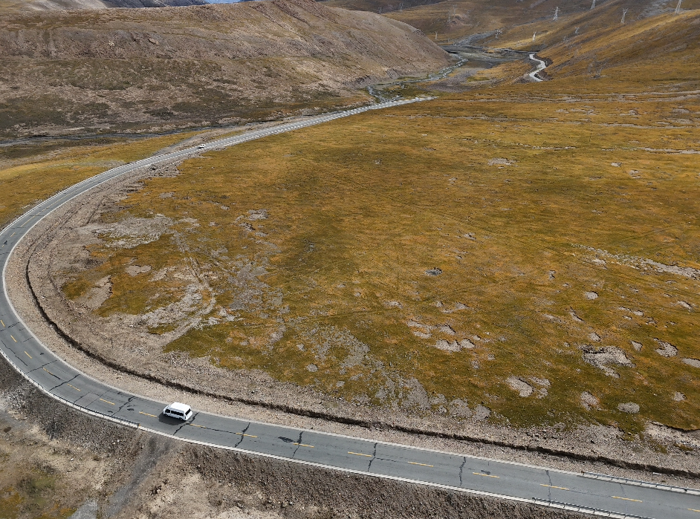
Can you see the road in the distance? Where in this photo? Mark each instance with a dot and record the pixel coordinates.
(584, 492)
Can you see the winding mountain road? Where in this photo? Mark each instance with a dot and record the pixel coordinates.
(588, 493)
(541, 65)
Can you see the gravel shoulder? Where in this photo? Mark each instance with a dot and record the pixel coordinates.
(55, 459)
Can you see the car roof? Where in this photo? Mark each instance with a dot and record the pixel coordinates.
(177, 406)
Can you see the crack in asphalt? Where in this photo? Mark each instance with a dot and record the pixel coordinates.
(125, 403)
(64, 382)
(374, 457)
(243, 434)
(42, 367)
(461, 470)
(299, 442)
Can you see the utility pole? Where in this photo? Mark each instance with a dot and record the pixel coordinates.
(678, 7)
(624, 13)
(593, 5)
(556, 14)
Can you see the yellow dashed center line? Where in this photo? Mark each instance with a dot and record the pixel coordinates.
(552, 486)
(195, 425)
(248, 435)
(421, 464)
(11, 235)
(627, 499)
(148, 414)
(693, 510)
(25, 223)
(360, 454)
(485, 475)
(107, 401)
(28, 355)
(3, 323)
(304, 445)
(13, 338)
(47, 371)
(71, 385)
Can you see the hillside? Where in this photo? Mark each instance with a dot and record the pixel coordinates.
(478, 20)
(50, 5)
(204, 65)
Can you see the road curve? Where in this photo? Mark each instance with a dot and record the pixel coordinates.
(541, 65)
(588, 493)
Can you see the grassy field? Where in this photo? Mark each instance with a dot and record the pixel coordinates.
(33, 172)
(531, 249)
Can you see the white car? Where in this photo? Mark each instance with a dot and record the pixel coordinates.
(178, 410)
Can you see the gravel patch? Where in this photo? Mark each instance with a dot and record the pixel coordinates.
(628, 407)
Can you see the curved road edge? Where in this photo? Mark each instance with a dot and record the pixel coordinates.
(541, 65)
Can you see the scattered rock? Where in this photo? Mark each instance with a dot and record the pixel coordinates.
(591, 295)
(500, 162)
(602, 357)
(628, 407)
(616, 164)
(678, 396)
(459, 408)
(452, 346)
(666, 349)
(257, 214)
(446, 328)
(313, 368)
(523, 388)
(594, 337)
(467, 344)
(588, 401)
(685, 305)
(481, 413)
(135, 270)
(420, 330)
(435, 271)
(692, 362)
(637, 346)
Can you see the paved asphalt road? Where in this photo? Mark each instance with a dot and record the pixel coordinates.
(598, 495)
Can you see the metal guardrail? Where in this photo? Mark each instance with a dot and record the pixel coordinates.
(639, 483)
(585, 509)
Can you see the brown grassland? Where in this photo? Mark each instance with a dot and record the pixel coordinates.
(562, 216)
(30, 173)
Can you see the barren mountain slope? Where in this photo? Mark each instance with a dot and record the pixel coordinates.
(476, 19)
(202, 64)
(50, 5)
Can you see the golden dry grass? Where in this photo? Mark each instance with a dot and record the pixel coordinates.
(512, 193)
(29, 174)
